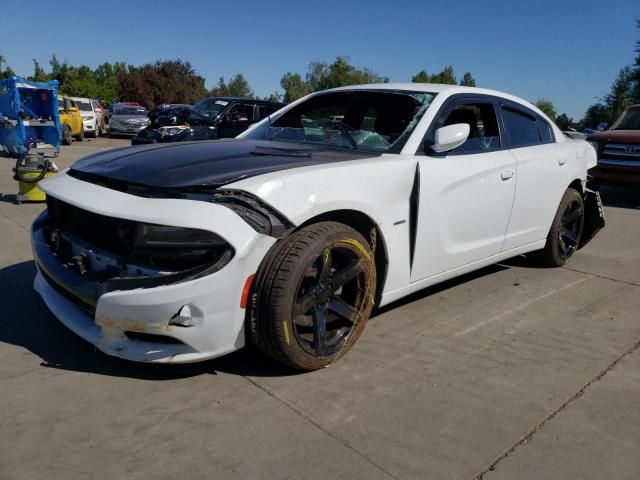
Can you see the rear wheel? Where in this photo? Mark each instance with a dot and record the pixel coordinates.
(80, 136)
(66, 135)
(317, 296)
(565, 233)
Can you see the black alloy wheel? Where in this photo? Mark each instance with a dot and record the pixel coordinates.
(316, 295)
(329, 300)
(570, 228)
(564, 236)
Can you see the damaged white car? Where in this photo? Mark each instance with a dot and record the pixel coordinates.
(288, 236)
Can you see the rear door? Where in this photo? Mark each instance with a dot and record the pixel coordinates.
(542, 167)
(465, 195)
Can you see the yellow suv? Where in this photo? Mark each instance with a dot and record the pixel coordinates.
(70, 120)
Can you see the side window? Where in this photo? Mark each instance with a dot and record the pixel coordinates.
(484, 134)
(545, 131)
(241, 113)
(522, 128)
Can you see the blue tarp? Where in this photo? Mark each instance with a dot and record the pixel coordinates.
(28, 115)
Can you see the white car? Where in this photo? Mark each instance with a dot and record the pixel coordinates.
(288, 236)
(91, 116)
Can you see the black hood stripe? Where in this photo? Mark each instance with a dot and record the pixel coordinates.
(205, 163)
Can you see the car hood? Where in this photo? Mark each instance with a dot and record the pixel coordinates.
(204, 163)
(624, 136)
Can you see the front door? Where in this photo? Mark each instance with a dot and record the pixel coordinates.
(465, 195)
(236, 120)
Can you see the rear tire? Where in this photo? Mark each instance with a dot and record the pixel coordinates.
(317, 296)
(80, 136)
(67, 138)
(565, 232)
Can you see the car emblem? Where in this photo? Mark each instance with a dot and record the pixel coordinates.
(631, 149)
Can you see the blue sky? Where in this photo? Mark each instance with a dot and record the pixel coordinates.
(563, 50)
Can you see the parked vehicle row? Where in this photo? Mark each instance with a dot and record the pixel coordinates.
(209, 119)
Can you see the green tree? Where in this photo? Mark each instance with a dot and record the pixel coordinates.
(564, 121)
(621, 94)
(80, 82)
(468, 80)
(59, 71)
(274, 97)
(238, 86)
(595, 114)
(636, 70)
(446, 76)
(5, 72)
(547, 107)
(340, 73)
(294, 87)
(220, 90)
(421, 77)
(39, 75)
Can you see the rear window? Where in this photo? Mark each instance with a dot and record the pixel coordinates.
(130, 111)
(545, 131)
(84, 106)
(522, 128)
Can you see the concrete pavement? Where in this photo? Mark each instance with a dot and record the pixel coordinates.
(509, 372)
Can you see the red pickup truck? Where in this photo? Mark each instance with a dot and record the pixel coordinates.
(619, 150)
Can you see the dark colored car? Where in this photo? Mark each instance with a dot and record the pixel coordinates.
(209, 119)
(619, 150)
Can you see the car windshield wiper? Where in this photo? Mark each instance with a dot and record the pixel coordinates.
(281, 152)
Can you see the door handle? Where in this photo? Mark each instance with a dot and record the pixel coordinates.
(563, 161)
(506, 175)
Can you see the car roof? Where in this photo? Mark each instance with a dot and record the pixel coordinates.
(80, 99)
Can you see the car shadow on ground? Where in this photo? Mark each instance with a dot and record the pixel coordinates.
(620, 196)
(26, 323)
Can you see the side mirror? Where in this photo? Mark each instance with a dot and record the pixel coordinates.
(450, 137)
(602, 126)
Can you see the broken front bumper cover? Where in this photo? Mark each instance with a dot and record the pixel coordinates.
(136, 320)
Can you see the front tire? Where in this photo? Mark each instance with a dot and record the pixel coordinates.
(317, 296)
(566, 230)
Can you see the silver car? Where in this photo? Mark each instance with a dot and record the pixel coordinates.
(128, 120)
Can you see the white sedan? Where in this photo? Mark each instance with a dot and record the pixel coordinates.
(288, 236)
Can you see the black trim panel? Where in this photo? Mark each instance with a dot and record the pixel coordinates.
(414, 205)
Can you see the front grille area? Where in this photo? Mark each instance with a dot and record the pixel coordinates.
(120, 240)
(623, 152)
(114, 235)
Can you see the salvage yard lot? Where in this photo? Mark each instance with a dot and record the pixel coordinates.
(509, 372)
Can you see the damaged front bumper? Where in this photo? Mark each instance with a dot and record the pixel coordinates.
(179, 317)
